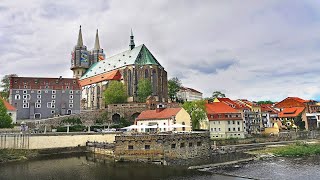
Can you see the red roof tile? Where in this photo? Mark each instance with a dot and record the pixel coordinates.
(234, 104)
(164, 114)
(291, 112)
(43, 83)
(268, 108)
(112, 75)
(7, 105)
(219, 107)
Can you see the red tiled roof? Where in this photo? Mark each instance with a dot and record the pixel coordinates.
(268, 108)
(164, 114)
(291, 112)
(291, 102)
(219, 107)
(233, 104)
(42, 83)
(112, 75)
(7, 105)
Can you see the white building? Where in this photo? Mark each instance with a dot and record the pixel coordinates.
(188, 94)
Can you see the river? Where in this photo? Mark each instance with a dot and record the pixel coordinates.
(85, 167)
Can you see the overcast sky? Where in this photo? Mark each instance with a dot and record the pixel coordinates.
(259, 50)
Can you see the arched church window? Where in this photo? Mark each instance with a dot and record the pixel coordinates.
(154, 82)
(129, 83)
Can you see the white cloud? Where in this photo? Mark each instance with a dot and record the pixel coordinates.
(248, 49)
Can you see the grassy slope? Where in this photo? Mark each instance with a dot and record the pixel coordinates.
(8, 155)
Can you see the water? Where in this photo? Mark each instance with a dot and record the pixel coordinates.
(83, 167)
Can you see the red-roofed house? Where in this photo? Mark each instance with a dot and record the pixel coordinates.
(12, 111)
(164, 118)
(224, 121)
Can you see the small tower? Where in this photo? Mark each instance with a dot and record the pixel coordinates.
(79, 58)
(131, 45)
(97, 52)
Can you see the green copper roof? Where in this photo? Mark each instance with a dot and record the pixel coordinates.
(139, 55)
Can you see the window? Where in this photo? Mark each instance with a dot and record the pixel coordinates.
(17, 97)
(211, 129)
(38, 105)
(198, 143)
(234, 129)
(38, 100)
(229, 129)
(53, 96)
(49, 104)
(238, 122)
(190, 144)
(215, 129)
(173, 146)
(10, 114)
(228, 122)
(71, 92)
(52, 111)
(233, 122)
(146, 146)
(182, 145)
(53, 101)
(238, 129)
(24, 96)
(39, 96)
(71, 96)
(24, 91)
(70, 101)
(67, 87)
(24, 101)
(25, 105)
(25, 86)
(219, 129)
(70, 105)
(39, 92)
(53, 91)
(130, 147)
(53, 106)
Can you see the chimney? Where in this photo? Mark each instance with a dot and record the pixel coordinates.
(160, 107)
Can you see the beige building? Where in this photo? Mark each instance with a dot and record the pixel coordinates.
(224, 121)
(188, 94)
(164, 119)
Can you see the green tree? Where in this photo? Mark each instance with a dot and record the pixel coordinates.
(174, 85)
(115, 93)
(218, 94)
(5, 119)
(265, 102)
(197, 112)
(144, 90)
(5, 85)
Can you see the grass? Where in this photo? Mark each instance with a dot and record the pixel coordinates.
(9, 155)
(293, 150)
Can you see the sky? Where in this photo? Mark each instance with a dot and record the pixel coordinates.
(257, 50)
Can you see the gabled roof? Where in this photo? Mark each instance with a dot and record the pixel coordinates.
(268, 108)
(189, 89)
(219, 107)
(7, 105)
(234, 104)
(112, 75)
(291, 112)
(291, 102)
(139, 55)
(164, 114)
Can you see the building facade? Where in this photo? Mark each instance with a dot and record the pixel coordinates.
(39, 98)
(188, 94)
(224, 121)
(165, 119)
(95, 71)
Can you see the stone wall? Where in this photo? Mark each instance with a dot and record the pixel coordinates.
(47, 141)
(162, 146)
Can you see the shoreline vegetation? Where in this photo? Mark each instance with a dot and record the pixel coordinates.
(298, 149)
(11, 155)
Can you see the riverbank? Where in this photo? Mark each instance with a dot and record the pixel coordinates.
(297, 149)
(11, 155)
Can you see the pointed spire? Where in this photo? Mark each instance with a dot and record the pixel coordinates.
(97, 43)
(80, 41)
(132, 45)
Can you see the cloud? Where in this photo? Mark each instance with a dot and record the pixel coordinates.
(255, 50)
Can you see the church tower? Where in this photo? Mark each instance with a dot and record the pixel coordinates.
(131, 45)
(97, 53)
(79, 58)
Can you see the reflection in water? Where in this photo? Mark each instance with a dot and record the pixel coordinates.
(88, 167)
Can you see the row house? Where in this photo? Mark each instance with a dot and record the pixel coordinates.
(224, 121)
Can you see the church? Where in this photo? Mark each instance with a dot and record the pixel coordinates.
(94, 71)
